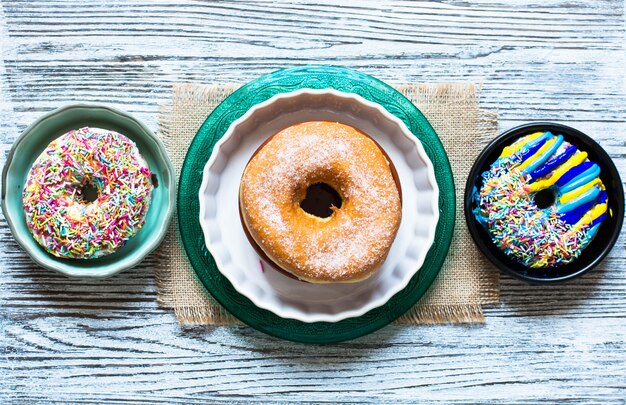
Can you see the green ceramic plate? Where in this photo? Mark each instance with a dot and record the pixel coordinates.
(54, 124)
(216, 125)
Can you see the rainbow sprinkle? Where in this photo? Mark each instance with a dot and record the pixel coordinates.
(506, 207)
(57, 214)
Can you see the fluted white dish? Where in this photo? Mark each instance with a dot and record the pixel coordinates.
(260, 282)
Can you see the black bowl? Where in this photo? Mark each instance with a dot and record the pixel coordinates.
(607, 233)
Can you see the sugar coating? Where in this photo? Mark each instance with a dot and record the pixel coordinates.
(61, 221)
(350, 244)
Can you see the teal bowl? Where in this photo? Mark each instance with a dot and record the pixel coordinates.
(54, 124)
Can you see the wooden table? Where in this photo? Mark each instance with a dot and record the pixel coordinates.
(109, 341)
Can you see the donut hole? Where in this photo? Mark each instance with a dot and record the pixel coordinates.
(89, 193)
(319, 199)
(545, 198)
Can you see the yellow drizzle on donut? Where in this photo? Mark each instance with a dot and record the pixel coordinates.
(571, 162)
(510, 150)
(591, 215)
(567, 197)
(540, 154)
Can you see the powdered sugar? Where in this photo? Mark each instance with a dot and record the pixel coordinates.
(357, 237)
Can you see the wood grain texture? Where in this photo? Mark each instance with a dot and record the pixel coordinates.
(94, 342)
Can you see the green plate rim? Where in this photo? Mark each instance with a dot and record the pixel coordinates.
(214, 127)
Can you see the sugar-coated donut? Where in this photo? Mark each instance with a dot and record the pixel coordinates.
(574, 197)
(353, 242)
(61, 220)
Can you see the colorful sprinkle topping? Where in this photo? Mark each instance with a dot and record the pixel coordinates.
(60, 215)
(507, 207)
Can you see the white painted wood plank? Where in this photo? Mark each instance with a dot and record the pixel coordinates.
(501, 360)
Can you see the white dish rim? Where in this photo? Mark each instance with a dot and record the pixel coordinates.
(404, 130)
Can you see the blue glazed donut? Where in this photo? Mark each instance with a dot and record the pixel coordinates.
(542, 201)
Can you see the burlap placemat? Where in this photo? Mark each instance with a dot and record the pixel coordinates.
(466, 281)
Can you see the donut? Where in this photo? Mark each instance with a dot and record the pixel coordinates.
(59, 212)
(542, 201)
(352, 240)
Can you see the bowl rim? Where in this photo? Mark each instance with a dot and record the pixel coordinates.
(406, 132)
(113, 268)
(502, 140)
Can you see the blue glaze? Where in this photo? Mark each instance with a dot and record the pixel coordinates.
(573, 216)
(598, 220)
(529, 150)
(552, 164)
(479, 217)
(591, 233)
(590, 195)
(587, 176)
(535, 141)
(545, 155)
(573, 172)
(602, 198)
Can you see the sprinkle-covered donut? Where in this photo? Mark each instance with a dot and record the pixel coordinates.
(541, 201)
(352, 242)
(60, 214)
